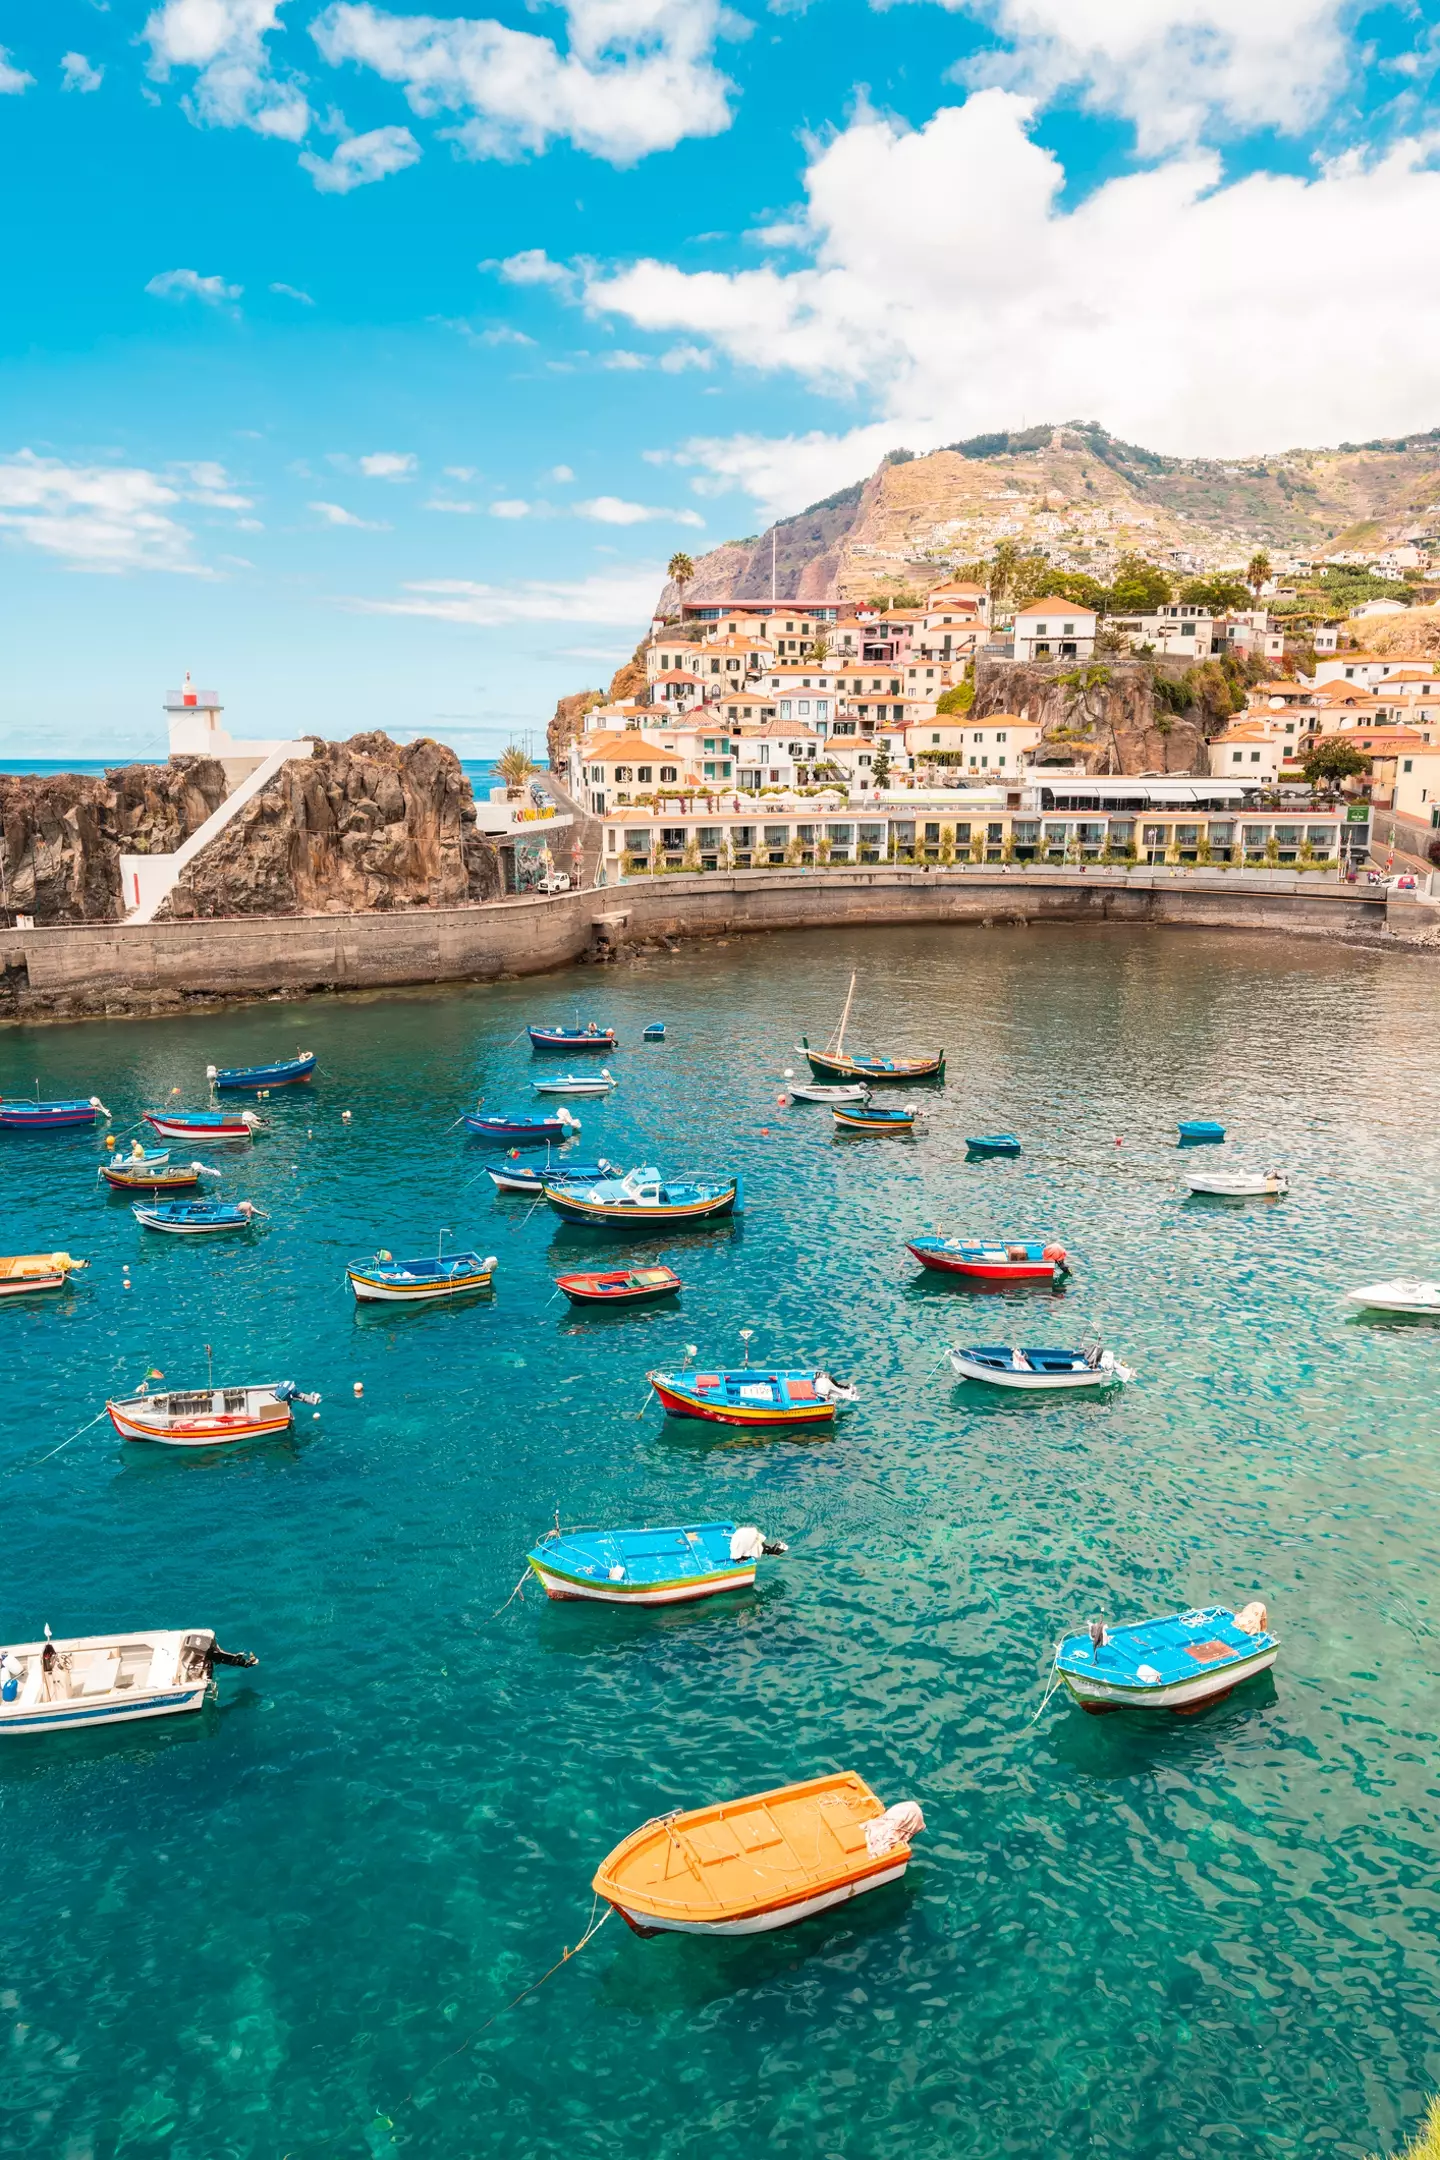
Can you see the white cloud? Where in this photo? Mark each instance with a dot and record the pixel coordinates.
(681, 357)
(333, 514)
(561, 474)
(224, 40)
(1154, 305)
(613, 510)
(108, 517)
(389, 464)
(625, 362)
(532, 266)
(457, 509)
(504, 334)
(638, 76)
(189, 285)
(621, 596)
(76, 73)
(362, 159)
(293, 292)
(13, 80)
(510, 508)
(460, 472)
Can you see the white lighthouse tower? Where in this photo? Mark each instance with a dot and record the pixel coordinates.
(194, 716)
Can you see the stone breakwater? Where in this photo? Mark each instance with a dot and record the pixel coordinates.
(60, 973)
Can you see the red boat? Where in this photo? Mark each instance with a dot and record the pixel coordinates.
(991, 1263)
(620, 1286)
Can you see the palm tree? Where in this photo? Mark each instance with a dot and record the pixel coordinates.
(1258, 571)
(681, 570)
(515, 768)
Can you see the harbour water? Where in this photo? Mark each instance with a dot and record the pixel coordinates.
(284, 1927)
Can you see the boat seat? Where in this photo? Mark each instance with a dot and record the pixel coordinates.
(757, 1831)
(162, 1666)
(713, 1843)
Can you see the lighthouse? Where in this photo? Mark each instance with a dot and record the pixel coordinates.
(195, 723)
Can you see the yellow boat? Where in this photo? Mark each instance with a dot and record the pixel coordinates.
(23, 1272)
(745, 1866)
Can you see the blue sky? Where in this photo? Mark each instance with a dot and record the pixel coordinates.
(371, 364)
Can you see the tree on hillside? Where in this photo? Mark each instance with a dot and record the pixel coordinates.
(1257, 571)
(1219, 594)
(1078, 586)
(820, 650)
(681, 569)
(958, 700)
(515, 766)
(1332, 760)
(881, 773)
(1138, 587)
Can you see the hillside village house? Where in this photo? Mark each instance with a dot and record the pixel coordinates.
(1252, 750)
(1417, 786)
(606, 769)
(1181, 632)
(1052, 629)
(775, 756)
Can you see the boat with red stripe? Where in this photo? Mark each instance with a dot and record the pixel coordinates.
(987, 1260)
(755, 1397)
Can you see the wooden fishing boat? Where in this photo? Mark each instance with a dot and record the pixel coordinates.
(20, 1113)
(577, 1084)
(522, 1178)
(851, 1092)
(285, 1073)
(208, 1417)
(590, 1037)
(619, 1286)
(1240, 1184)
(1199, 1129)
(80, 1680)
(745, 1867)
(1179, 1662)
(1419, 1299)
(235, 1128)
(751, 1396)
(869, 1118)
(196, 1218)
(523, 1126)
(153, 1173)
(644, 1198)
(655, 1032)
(669, 1566)
(992, 1261)
(388, 1281)
(22, 1273)
(1008, 1366)
(995, 1143)
(831, 1063)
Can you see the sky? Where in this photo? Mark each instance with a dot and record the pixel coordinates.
(371, 364)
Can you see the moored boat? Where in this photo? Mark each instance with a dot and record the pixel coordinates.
(523, 1126)
(1418, 1299)
(1196, 1129)
(589, 1038)
(991, 1261)
(196, 1218)
(208, 1416)
(1179, 1662)
(1239, 1184)
(577, 1083)
(670, 1566)
(153, 1173)
(994, 1143)
(643, 1198)
(21, 1273)
(747, 1866)
(655, 1032)
(751, 1395)
(850, 1092)
(23, 1113)
(870, 1118)
(619, 1286)
(832, 1063)
(285, 1073)
(81, 1680)
(1010, 1366)
(386, 1280)
(523, 1178)
(232, 1127)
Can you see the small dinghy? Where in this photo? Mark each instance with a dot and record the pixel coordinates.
(978, 1261)
(196, 1218)
(208, 1417)
(644, 1198)
(751, 1396)
(993, 1143)
(591, 1037)
(1180, 1662)
(1006, 1365)
(80, 1680)
(1196, 1129)
(620, 1286)
(386, 1280)
(21, 1273)
(518, 1177)
(233, 1127)
(1419, 1298)
(283, 1074)
(578, 1083)
(655, 1032)
(851, 1093)
(153, 1173)
(869, 1118)
(523, 1126)
(650, 1567)
(745, 1867)
(1240, 1184)
(25, 1114)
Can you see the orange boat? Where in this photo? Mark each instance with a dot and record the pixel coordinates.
(745, 1866)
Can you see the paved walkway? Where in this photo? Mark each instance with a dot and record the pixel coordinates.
(590, 830)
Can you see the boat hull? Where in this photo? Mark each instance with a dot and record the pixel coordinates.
(858, 1121)
(872, 1071)
(683, 1591)
(43, 1117)
(200, 1432)
(78, 1716)
(233, 1130)
(557, 1039)
(372, 1290)
(534, 1132)
(639, 1214)
(593, 1290)
(151, 1219)
(767, 1918)
(1221, 1188)
(238, 1079)
(1417, 1301)
(993, 1145)
(1180, 1696)
(1035, 1383)
(989, 1271)
(22, 1286)
(171, 1177)
(680, 1403)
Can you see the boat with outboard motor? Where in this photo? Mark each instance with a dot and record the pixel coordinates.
(22, 1273)
(285, 1073)
(197, 1218)
(1239, 1184)
(751, 1395)
(525, 1127)
(669, 1566)
(230, 1128)
(643, 1198)
(1009, 1366)
(577, 1083)
(619, 1286)
(386, 1280)
(748, 1866)
(1179, 1662)
(589, 1038)
(208, 1416)
(868, 1117)
(518, 1177)
(60, 1685)
(832, 1064)
(153, 1173)
(991, 1260)
(1417, 1300)
(24, 1113)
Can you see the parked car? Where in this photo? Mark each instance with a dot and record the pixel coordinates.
(1406, 882)
(557, 881)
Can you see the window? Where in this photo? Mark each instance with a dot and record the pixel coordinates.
(637, 843)
(1187, 836)
(994, 832)
(1187, 629)
(776, 836)
(840, 835)
(802, 707)
(1256, 835)
(672, 836)
(1237, 757)
(932, 835)
(1001, 735)
(1254, 757)
(822, 708)
(1154, 836)
(784, 708)
(1288, 835)
(709, 743)
(710, 771)
(669, 773)
(714, 667)
(935, 738)
(1407, 765)
(1067, 629)
(624, 773)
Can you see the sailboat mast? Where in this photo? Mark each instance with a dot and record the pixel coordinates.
(845, 1017)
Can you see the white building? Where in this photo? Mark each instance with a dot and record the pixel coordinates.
(1053, 629)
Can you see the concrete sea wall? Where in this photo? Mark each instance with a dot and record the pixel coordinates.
(79, 970)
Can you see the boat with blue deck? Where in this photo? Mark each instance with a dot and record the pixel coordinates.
(619, 1286)
(22, 1113)
(196, 1218)
(991, 1261)
(1009, 1365)
(752, 1396)
(524, 1126)
(232, 1128)
(994, 1143)
(152, 1173)
(520, 1177)
(655, 1032)
(1196, 1130)
(643, 1198)
(82, 1680)
(284, 1073)
(669, 1566)
(591, 1037)
(1179, 1662)
(384, 1280)
(870, 1118)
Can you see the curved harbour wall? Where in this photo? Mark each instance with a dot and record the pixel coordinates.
(157, 967)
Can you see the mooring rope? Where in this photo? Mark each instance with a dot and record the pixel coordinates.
(17, 1467)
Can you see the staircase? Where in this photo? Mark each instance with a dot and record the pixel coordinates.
(147, 880)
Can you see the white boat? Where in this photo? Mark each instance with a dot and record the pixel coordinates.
(578, 1083)
(837, 1093)
(108, 1679)
(208, 1417)
(1012, 1367)
(1397, 1297)
(1240, 1184)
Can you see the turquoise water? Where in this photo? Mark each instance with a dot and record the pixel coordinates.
(280, 1927)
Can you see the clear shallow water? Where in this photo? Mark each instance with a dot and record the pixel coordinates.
(277, 1928)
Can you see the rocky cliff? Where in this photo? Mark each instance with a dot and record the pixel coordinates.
(1107, 715)
(62, 834)
(568, 720)
(365, 825)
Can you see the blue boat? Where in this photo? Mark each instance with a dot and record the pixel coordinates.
(1193, 1130)
(24, 1113)
(645, 1200)
(523, 1127)
(196, 1218)
(655, 1032)
(667, 1566)
(283, 1074)
(384, 1280)
(590, 1037)
(994, 1143)
(523, 1178)
(1179, 1662)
